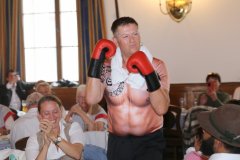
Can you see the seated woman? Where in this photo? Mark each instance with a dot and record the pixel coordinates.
(91, 118)
(57, 139)
(45, 88)
(6, 120)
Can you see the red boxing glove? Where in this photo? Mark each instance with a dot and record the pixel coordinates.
(104, 45)
(138, 62)
(104, 49)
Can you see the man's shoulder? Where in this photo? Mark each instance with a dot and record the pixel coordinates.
(26, 120)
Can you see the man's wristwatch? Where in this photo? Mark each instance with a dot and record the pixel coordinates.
(58, 140)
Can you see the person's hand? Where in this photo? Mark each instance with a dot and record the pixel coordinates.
(47, 127)
(212, 90)
(68, 117)
(47, 141)
(213, 95)
(76, 108)
(203, 99)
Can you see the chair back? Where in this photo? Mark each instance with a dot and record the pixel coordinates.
(172, 118)
(173, 134)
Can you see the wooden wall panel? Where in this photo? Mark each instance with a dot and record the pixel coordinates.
(189, 91)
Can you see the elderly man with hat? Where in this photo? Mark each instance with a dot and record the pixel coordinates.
(28, 124)
(223, 124)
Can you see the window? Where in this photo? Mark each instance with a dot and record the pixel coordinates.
(50, 40)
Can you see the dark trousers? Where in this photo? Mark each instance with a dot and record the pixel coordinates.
(147, 147)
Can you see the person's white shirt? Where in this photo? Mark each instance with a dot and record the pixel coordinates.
(25, 126)
(15, 102)
(76, 136)
(236, 94)
(224, 156)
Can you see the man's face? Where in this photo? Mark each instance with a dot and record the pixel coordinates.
(12, 77)
(81, 100)
(44, 90)
(51, 111)
(213, 84)
(127, 39)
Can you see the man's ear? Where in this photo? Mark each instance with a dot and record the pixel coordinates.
(114, 39)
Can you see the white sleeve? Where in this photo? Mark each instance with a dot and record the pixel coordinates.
(32, 148)
(236, 94)
(9, 122)
(76, 134)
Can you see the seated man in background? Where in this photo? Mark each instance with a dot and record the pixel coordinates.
(6, 120)
(14, 91)
(57, 138)
(91, 118)
(28, 124)
(223, 125)
(213, 97)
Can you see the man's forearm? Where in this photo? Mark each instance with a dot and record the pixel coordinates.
(160, 101)
(94, 91)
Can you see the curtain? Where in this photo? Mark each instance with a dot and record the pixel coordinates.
(91, 24)
(11, 46)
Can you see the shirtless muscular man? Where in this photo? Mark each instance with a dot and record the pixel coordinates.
(136, 88)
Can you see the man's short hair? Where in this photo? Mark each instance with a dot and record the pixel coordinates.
(214, 76)
(121, 22)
